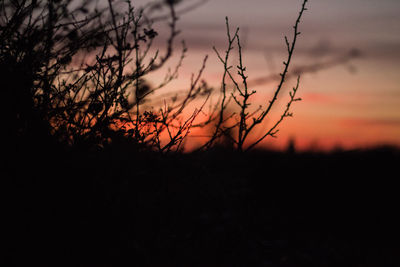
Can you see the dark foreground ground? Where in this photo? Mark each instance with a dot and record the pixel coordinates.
(115, 208)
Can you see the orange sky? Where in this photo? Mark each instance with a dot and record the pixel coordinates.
(354, 104)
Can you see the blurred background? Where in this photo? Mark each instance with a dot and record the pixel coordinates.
(348, 57)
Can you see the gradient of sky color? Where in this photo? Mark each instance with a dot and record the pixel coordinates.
(351, 105)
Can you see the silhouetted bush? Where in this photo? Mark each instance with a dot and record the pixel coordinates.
(77, 73)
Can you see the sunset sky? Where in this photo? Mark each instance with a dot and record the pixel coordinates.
(354, 103)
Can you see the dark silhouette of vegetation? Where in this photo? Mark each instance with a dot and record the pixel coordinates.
(85, 182)
(83, 72)
(77, 73)
(247, 120)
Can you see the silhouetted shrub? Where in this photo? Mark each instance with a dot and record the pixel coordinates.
(77, 73)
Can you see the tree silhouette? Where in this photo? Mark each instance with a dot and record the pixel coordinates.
(76, 73)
